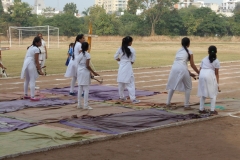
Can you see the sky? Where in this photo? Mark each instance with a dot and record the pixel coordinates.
(82, 4)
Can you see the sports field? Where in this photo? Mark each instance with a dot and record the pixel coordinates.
(214, 139)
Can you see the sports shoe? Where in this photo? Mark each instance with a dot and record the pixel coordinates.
(26, 97)
(188, 108)
(79, 107)
(88, 107)
(136, 101)
(72, 93)
(123, 99)
(35, 99)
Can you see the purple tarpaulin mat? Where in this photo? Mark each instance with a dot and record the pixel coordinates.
(11, 106)
(8, 124)
(129, 121)
(100, 92)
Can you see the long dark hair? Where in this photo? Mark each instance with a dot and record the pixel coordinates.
(36, 40)
(85, 46)
(125, 44)
(212, 51)
(185, 43)
(80, 36)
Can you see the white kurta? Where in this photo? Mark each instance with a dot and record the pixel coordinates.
(73, 64)
(207, 86)
(125, 71)
(83, 74)
(29, 61)
(179, 78)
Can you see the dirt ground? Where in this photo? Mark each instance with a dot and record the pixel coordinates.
(215, 139)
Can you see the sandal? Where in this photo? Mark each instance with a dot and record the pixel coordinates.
(213, 113)
(203, 111)
(188, 108)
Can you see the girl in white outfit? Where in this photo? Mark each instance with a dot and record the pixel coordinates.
(209, 80)
(31, 68)
(84, 75)
(125, 56)
(43, 48)
(179, 78)
(73, 64)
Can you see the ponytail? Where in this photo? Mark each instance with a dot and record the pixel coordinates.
(125, 44)
(85, 46)
(212, 51)
(80, 36)
(185, 43)
(35, 40)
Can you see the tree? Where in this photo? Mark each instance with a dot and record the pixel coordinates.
(70, 8)
(1, 8)
(154, 9)
(86, 11)
(21, 14)
(133, 5)
(237, 8)
(17, 1)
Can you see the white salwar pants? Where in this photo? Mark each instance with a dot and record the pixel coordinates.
(130, 87)
(30, 80)
(82, 88)
(73, 82)
(213, 103)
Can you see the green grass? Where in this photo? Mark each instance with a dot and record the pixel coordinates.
(149, 54)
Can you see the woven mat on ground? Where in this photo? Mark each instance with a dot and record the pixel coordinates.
(129, 121)
(39, 137)
(55, 114)
(158, 100)
(9, 124)
(100, 92)
(11, 106)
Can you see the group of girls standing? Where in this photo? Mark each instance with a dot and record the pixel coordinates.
(179, 79)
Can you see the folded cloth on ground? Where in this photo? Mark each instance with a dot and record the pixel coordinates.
(100, 92)
(129, 121)
(11, 106)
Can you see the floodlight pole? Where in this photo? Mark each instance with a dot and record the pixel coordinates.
(19, 36)
(10, 36)
(48, 37)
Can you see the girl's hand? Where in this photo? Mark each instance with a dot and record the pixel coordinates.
(118, 59)
(40, 72)
(219, 89)
(96, 74)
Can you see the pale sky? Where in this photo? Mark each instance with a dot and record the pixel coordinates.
(81, 4)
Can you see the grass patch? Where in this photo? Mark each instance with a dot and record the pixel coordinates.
(149, 54)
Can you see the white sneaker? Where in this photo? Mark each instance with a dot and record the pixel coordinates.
(123, 99)
(88, 107)
(136, 101)
(79, 107)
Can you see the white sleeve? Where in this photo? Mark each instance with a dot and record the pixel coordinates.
(116, 56)
(216, 63)
(133, 55)
(88, 56)
(190, 52)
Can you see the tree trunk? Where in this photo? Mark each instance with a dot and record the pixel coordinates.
(153, 29)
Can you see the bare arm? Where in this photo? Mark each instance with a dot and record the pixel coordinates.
(89, 68)
(193, 64)
(2, 66)
(37, 64)
(217, 76)
(46, 51)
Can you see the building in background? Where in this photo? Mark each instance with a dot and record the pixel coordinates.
(6, 4)
(229, 5)
(183, 4)
(38, 7)
(112, 6)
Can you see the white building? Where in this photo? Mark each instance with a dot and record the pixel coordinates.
(112, 6)
(6, 4)
(183, 4)
(229, 5)
(39, 6)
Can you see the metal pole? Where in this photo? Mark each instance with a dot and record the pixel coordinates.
(48, 37)
(10, 36)
(19, 37)
(58, 37)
